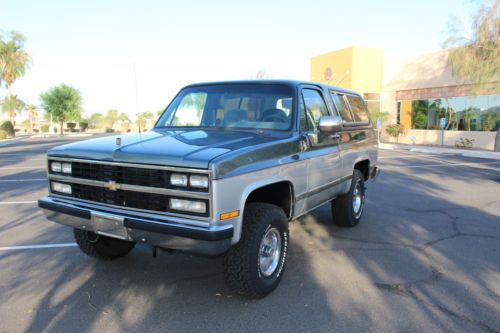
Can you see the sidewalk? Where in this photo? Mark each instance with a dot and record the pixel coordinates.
(439, 150)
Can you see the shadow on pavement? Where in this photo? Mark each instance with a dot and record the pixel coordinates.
(417, 262)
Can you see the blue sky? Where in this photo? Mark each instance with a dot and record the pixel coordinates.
(92, 45)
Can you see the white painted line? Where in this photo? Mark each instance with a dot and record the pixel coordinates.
(31, 167)
(445, 165)
(22, 180)
(28, 159)
(17, 202)
(34, 247)
(17, 154)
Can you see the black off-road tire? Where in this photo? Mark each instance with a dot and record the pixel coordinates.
(343, 207)
(242, 271)
(102, 247)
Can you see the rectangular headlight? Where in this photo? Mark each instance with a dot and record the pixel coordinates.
(61, 188)
(198, 181)
(178, 179)
(66, 167)
(55, 166)
(188, 205)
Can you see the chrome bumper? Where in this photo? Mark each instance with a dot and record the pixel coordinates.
(213, 240)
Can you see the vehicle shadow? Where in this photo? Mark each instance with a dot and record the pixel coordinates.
(419, 261)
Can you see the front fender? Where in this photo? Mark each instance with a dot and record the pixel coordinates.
(232, 193)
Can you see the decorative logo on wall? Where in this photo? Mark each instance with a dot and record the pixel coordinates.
(327, 74)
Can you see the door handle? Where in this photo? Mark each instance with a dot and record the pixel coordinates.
(334, 136)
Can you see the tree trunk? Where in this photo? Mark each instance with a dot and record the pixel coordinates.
(12, 116)
(497, 141)
(61, 126)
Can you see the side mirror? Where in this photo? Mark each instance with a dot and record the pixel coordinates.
(330, 124)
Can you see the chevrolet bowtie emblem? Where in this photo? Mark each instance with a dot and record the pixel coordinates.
(112, 185)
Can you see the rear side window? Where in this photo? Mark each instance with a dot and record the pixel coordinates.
(358, 108)
(315, 106)
(342, 107)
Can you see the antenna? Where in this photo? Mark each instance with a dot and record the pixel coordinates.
(136, 96)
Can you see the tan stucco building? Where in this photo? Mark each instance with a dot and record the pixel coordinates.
(418, 92)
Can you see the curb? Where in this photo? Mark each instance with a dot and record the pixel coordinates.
(437, 150)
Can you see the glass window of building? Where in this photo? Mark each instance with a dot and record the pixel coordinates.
(419, 112)
(465, 113)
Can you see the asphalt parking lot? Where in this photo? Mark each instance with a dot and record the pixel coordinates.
(426, 257)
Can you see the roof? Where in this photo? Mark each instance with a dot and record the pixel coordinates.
(292, 83)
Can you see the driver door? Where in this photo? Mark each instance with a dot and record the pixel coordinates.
(321, 150)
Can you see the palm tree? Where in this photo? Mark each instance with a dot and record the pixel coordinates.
(469, 114)
(11, 104)
(14, 61)
(142, 119)
(32, 114)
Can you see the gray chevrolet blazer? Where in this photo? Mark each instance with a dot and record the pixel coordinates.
(223, 171)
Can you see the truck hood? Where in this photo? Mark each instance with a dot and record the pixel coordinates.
(192, 149)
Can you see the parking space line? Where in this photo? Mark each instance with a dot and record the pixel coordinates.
(22, 180)
(34, 247)
(10, 159)
(17, 202)
(17, 154)
(30, 167)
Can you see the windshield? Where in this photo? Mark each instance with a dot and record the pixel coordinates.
(249, 106)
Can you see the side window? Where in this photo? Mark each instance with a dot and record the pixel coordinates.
(304, 123)
(314, 105)
(358, 108)
(342, 107)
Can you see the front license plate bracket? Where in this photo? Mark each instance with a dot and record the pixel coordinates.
(109, 225)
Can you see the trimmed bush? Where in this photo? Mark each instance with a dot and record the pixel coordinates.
(110, 130)
(3, 135)
(71, 127)
(83, 126)
(8, 128)
(45, 128)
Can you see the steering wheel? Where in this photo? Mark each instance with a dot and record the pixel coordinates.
(276, 117)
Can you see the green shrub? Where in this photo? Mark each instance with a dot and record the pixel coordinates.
(45, 128)
(71, 126)
(8, 128)
(395, 130)
(110, 130)
(83, 126)
(3, 135)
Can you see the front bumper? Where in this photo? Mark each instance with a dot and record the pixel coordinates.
(211, 240)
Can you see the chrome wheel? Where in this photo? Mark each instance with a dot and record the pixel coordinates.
(269, 252)
(357, 199)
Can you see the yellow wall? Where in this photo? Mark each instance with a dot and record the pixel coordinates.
(356, 68)
(339, 63)
(405, 114)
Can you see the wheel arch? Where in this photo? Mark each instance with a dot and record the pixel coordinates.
(256, 189)
(363, 165)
